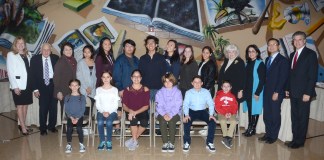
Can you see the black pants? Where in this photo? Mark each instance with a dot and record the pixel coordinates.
(299, 119)
(47, 106)
(69, 131)
(272, 116)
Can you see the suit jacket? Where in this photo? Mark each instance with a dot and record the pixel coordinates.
(17, 72)
(276, 76)
(235, 73)
(37, 72)
(302, 79)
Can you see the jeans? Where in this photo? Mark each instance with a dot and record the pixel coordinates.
(109, 125)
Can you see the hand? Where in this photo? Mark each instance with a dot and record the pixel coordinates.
(306, 98)
(275, 96)
(37, 94)
(17, 91)
(228, 115)
(74, 120)
(167, 117)
(105, 114)
(186, 119)
(88, 90)
(120, 93)
(256, 97)
(212, 118)
(287, 93)
(130, 116)
(59, 96)
(240, 94)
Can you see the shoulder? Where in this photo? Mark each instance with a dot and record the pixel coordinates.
(146, 89)
(54, 56)
(120, 58)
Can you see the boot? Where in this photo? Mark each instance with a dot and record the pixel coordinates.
(252, 129)
(250, 125)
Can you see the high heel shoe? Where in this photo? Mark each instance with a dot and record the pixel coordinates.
(19, 127)
(29, 130)
(25, 134)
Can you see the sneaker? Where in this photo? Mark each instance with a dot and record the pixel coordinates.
(192, 132)
(171, 148)
(230, 142)
(101, 146)
(68, 148)
(133, 145)
(226, 143)
(186, 147)
(165, 147)
(128, 142)
(211, 147)
(108, 145)
(82, 148)
(117, 132)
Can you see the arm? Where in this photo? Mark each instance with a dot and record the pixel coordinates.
(176, 69)
(57, 77)
(283, 74)
(312, 73)
(160, 104)
(211, 75)
(261, 72)
(11, 67)
(99, 67)
(210, 103)
(186, 103)
(81, 76)
(117, 74)
(178, 104)
(83, 106)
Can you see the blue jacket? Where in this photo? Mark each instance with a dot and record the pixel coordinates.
(123, 70)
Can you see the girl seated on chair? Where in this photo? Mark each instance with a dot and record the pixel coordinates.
(226, 106)
(136, 100)
(107, 103)
(75, 104)
(168, 110)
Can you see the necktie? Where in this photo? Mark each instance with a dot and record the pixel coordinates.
(269, 63)
(295, 60)
(46, 78)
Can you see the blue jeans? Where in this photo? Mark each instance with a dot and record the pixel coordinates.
(202, 115)
(109, 125)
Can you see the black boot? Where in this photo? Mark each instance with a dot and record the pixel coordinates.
(249, 127)
(252, 129)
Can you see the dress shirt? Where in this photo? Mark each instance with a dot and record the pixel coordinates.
(197, 100)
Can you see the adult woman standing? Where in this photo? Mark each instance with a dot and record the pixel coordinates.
(208, 70)
(172, 57)
(105, 59)
(19, 77)
(233, 70)
(189, 69)
(64, 71)
(253, 91)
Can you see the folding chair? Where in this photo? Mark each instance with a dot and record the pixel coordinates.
(87, 120)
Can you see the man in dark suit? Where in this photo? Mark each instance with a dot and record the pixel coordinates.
(42, 67)
(277, 67)
(301, 87)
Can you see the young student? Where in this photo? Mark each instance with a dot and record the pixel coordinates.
(74, 109)
(107, 103)
(168, 110)
(226, 106)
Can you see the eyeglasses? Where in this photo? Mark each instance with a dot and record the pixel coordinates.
(273, 44)
(136, 76)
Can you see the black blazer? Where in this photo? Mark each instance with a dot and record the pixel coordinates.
(235, 73)
(302, 79)
(36, 65)
(276, 76)
(208, 74)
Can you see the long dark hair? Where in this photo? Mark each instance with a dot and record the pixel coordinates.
(212, 57)
(192, 57)
(175, 56)
(91, 49)
(247, 58)
(67, 44)
(101, 51)
(79, 83)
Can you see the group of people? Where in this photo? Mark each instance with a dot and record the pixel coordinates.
(179, 87)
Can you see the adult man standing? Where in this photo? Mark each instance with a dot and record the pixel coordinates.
(301, 87)
(277, 68)
(42, 68)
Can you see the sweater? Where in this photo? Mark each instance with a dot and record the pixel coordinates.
(168, 101)
(75, 105)
(107, 100)
(225, 103)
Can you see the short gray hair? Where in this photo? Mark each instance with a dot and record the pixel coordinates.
(299, 33)
(232, 47)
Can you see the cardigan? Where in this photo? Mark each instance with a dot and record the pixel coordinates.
(87, 80)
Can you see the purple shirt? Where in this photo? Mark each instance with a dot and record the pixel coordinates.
(136, 99)
(168, 101)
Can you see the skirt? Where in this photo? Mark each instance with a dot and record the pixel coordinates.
(25, 97)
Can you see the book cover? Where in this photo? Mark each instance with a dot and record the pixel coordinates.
(76, 5)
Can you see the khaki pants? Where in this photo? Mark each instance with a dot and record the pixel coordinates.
(223, 122)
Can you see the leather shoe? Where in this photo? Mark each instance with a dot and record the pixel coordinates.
(43, 133)
(295, 146)
(53, 130)
(289, 144)
(270, 141)
(264, 138)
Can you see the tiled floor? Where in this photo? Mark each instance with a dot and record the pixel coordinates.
(33, 147)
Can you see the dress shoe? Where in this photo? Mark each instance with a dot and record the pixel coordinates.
(295, 146)
(270, 140)
(19, 127)
(43, 133)
(289, 143)
(29, 130)
(54, 130)
(264, 138)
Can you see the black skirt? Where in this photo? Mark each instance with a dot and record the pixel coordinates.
(25, 97)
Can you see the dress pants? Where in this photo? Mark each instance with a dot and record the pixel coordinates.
(272, 116)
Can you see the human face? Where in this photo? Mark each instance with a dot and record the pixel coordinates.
(168, 84)
(226, 87)
(129, 49)
(170, 47)
(87, 53)
(231, 54)
(252, 53)
(67, 51)
(206, 54)
(187, 53)
(273, 47)
(151, 45)
(136, 78)
(46, 50)
(299, 41)
(197, 83)
(20, 45)
(74, 86)
(106, 45)
(106, 78)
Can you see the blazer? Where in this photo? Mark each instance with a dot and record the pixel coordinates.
(63, 73)
(83, 74)
(235, 73)
(276, 76)
(208, 74)
(302, 79)
(17, 72)
(36, 65)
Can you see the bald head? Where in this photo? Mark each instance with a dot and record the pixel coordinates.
(46, 49)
